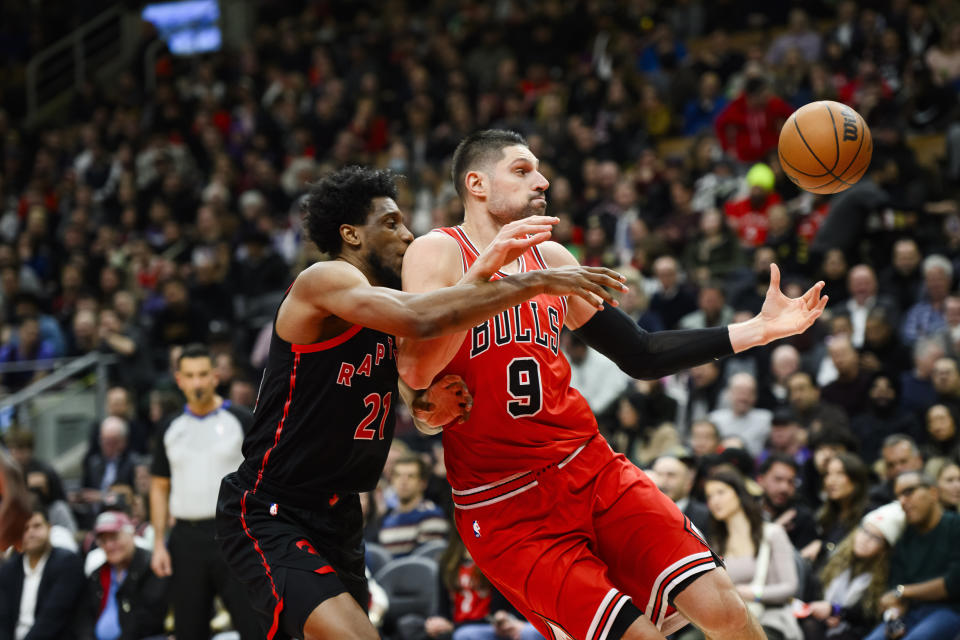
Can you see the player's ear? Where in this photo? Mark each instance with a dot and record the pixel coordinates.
(351, 236)
(476, 183)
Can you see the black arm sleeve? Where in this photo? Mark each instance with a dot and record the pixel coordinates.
(651, 355)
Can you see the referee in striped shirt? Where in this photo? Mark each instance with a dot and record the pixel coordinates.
(194, 450)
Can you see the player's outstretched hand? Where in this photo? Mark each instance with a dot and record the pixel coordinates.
(593, 284)
(783, 316)
(512, 240)
(446, 401)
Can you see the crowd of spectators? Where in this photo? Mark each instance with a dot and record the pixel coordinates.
(143, 219)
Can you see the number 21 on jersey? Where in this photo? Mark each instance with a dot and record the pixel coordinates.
(373, 403)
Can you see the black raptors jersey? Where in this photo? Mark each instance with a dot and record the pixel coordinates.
(324, 417)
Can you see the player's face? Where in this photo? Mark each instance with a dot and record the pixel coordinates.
(197, 380)
(517, 188)
(387, 239)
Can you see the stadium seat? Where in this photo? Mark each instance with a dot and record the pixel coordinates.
(411, 586)
(377, 556)
(432, 549)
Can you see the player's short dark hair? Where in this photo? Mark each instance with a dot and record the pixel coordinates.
(480, 147)
(194, 350)
(343, 197)
(778, 458)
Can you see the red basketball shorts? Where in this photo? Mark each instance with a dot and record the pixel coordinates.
(571, 544)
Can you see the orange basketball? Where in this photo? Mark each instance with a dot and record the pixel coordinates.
(825, 147)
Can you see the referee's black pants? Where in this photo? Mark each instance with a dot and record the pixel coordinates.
(199, 574)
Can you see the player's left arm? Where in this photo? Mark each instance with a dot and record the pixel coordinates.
(653, 355)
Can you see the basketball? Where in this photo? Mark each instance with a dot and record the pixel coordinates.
(825, 147)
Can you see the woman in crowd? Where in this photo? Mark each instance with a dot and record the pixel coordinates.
(759, 556)
(943, 439)
(845, 484)
(855, 578)
(948, 482)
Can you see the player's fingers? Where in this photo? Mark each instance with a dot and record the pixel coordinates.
(607, 272)
(591, 299)
(606, 281)
(531, 240)
(811, 297)
(774, 276)
(600, 290)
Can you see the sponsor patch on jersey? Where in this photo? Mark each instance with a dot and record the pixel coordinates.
(273, 509)
(476, 528)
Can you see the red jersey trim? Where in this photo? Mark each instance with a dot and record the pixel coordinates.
(671, 577)
(606, 613)
(538, 257)
(502, 489)
(283, 417)
(266, 567)
(327, 344)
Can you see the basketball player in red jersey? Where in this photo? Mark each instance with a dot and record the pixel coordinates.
(578, 538)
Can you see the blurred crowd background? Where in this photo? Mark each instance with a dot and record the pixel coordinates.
(147, 216)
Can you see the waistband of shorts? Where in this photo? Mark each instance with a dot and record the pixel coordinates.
(309, 501)
(204, 523)
(510, 486)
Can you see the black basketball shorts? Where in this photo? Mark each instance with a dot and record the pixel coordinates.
(291, 559)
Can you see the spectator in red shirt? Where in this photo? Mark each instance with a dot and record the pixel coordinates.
(748, 217)
(750, 126)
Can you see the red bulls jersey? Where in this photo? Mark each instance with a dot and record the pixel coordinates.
(525, 414)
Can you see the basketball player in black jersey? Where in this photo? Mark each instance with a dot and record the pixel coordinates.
(289, 520)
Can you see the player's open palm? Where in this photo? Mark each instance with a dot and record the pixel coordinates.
(783, 316)
(513, 239)
(593, 284)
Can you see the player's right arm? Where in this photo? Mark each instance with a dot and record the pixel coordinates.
(338, 289)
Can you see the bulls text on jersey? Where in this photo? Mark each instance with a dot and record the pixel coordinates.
(370, 360)
(510, 326)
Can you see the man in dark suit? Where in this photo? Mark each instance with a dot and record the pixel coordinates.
(40, 588)
(113, 464)
(674, 477)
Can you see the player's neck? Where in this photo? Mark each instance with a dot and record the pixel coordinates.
(481, 227)
(361, 265)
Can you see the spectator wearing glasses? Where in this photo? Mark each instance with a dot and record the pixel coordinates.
(924, 583)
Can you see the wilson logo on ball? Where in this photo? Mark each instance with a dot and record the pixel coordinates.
(849, 124)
